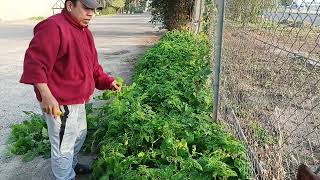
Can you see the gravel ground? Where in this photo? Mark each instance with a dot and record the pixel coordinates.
(120, 40)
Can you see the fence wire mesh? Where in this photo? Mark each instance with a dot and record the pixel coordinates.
(270, 83)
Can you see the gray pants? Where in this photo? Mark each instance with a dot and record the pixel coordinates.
(66, 146)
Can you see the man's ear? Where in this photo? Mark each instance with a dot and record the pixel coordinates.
(69, 6)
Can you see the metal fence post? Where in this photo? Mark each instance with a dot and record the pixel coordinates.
(218, 52)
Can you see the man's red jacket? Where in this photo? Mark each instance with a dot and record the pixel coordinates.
(62, 54)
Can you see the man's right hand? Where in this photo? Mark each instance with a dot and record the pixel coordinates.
(49, 104)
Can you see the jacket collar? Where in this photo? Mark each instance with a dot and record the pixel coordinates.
(71, 20)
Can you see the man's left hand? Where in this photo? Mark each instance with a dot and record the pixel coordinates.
(116, 86)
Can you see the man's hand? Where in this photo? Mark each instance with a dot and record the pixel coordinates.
(49, 104)
(116, 86)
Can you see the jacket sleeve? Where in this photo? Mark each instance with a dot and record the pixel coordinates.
(42, 53)
(102, 80)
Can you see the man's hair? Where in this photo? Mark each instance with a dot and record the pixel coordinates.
(74, 2)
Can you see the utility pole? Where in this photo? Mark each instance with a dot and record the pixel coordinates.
(197, 16)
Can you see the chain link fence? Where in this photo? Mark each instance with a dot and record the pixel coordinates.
(270, 83)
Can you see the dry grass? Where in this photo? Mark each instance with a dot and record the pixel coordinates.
(274, 94)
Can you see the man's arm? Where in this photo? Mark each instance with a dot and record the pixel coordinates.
(39, 61)
(102, 80)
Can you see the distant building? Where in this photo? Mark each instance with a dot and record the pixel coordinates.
(24, 9)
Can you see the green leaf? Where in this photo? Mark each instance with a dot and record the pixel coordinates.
(44, 132)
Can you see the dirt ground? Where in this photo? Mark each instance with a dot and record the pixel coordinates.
(274, 92)
(120, 40)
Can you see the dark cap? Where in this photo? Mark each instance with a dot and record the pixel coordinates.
(93, 4)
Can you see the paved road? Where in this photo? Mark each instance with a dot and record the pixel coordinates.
(310, 18)
(310, 15)
(119, 39)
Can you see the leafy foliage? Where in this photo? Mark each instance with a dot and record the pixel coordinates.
(286, 2)
(208, 16)
(135, 6)
(112, 3)
(160, 127)
(117, 3)
(108, 11)
(30, 138)
(174, 14)
(247, 11)
(111, 7)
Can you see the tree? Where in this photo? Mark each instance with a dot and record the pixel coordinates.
(286, 2)
(111, 6)
(112, 3)
(174, 14)
(135, 5)
(246, 11)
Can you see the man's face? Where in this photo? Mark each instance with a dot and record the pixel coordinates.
(80, 13)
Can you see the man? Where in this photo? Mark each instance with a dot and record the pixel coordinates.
(62, 65)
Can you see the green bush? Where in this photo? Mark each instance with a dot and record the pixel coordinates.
(117, 3)
(247, 11)
(138, 10)
(109, 11)
(173, 14)
(30, 138)
(286, 2)
(160, 127)
(132, 7)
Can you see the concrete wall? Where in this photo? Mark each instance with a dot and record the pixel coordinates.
(23, 9)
